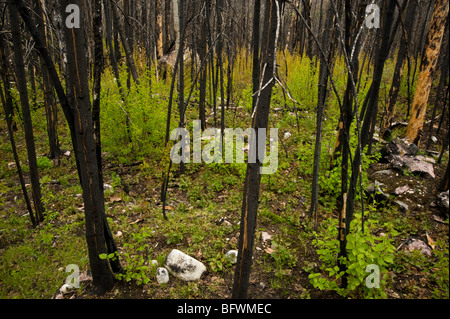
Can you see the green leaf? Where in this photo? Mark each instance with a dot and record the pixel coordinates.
(103, 256)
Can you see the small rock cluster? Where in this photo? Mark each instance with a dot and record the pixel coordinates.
(402, 157)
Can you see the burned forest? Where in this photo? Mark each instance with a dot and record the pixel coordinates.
(224, 149)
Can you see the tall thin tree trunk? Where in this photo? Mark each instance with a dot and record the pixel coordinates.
(128, 52)
(77, 109)
(403, 52)
(428, 65)
(49, 96)
(255, 45)
(202, 49)
(85, 151)
(440, 94)
(220, 9)
(159, 30)
(26, 114)
(7, 103)
(96, 89)
(322, 94)
(253, 176)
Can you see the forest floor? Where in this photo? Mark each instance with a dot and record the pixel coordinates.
(203, 212)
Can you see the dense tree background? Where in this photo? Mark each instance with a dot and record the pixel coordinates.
(341, 92)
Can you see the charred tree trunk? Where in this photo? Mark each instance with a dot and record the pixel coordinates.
(49, 96)
(98, 70)
(443, 82)
(202, 51)
(255, 45)
(253, 177)
(403, 52)
(85, 151)
(7, 103)
(123, 36)
(77, 110)
(220, 69)
(322, 94)
(26, 114)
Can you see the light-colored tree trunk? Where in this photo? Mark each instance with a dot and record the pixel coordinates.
(429, 60)
(176, 24)
(159, 29)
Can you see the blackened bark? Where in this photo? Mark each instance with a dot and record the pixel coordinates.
(443, 81)
(253, 177)
(388, 28)
(78, 96)
(322, 94)
(203, 70)
(7, 103)
(49, 95)
(181, 105)
(128, 52)
(26, 114)
(255, 46)
(96, 89)
(220, 69)
(444, 182)
(77, 109)
(403, 52)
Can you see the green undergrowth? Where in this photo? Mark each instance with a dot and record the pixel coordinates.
(204, 204)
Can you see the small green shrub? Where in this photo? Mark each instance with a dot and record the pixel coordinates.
(364, 250)
(44, 163)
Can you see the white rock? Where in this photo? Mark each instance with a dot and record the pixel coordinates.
(402, 189)
(119, 234)
(416, 244)
(287, 135)
(265, 236)
(232, 255)
(65, 288)
(434, 139)
(154, 263)
(162, 276)
(183, 266)
(67, 153)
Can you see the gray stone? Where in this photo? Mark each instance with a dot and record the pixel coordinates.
(383, 172)
(412, 164)
(401, 189)
(416, 244)
(265, 236)
(401, 205)
(412, 149)
(184, 266)
(162, 276)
